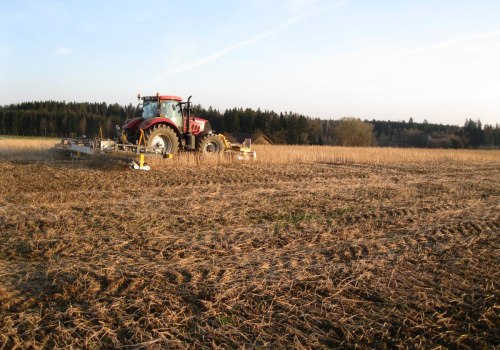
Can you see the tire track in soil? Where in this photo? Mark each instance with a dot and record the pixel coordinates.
(442, 237)
(412, 214)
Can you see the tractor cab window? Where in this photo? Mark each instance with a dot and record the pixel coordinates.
(172, 111)
(150, 110)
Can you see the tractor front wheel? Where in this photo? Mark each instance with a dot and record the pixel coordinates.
(162, 137)
(211, 144)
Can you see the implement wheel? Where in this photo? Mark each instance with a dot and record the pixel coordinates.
(162, 137)
(211, 144)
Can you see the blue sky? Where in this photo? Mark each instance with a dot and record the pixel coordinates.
(390, 60)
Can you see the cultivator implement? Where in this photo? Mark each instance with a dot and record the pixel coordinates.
(136, 155)
(240, 151)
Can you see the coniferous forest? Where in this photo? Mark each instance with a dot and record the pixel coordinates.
(60, 119)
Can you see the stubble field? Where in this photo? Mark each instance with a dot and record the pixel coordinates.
(305, 248)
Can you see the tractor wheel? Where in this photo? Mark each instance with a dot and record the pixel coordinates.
(211, 144)
(163, 137)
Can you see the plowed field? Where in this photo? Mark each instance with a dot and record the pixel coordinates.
(253, 255)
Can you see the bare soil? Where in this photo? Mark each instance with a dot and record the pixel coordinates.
(324, 255)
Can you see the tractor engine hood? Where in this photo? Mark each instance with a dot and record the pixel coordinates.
(197, 125)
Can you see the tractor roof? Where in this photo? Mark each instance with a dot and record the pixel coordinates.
(165, 97)
(161, 98)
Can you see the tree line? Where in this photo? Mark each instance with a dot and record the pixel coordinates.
(61, 119)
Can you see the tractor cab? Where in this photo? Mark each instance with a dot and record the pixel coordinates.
(162, 106)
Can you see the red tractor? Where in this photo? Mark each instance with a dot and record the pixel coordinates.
(167, 127)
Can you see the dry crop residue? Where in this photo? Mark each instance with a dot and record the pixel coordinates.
(252, 256)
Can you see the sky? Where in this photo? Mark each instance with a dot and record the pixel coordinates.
(434, 60)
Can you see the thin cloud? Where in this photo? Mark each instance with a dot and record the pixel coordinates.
(221, 53)
(435, 47)
(266, 34)
(63, 51)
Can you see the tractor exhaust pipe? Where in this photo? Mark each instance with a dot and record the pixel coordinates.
(190, 139)
(188, 112)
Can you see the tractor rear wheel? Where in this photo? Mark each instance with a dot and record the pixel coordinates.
(211, 144)
(162, 137)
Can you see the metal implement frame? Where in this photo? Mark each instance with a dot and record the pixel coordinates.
(136, 154)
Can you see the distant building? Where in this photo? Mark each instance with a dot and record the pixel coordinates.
(258, 138)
